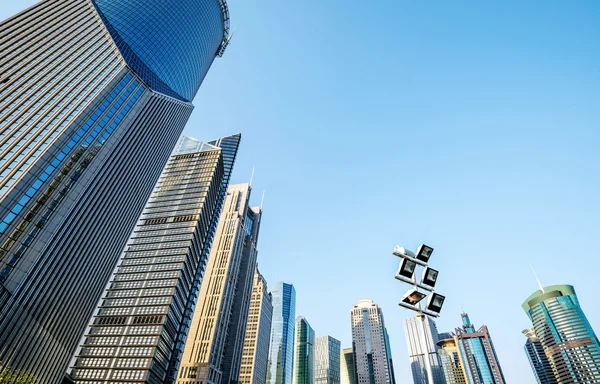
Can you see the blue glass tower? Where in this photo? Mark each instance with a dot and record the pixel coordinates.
(542, 370)
(571, 346)
(91, 106)
(281, 352)
(478, 354)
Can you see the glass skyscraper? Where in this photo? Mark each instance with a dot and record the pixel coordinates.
(327, 360)
(213, 350)
(452, 365)
(569, 342)
(281, 351)
(304, 353)
(134, 334)
(93, 97)
(479, 358)
(542, 370)
(347, 368)
(421, 340)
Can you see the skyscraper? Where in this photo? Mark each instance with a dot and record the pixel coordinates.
(347, 367)
(537, 358)
(219, 321)
(478, 355)
(304, 353)
(452, 365)
(569, 342)
(95, 94)
(134, 333)
(390, 360)
(281, 350)
(234, 344)
(421, 339)
(327, 360)
(255, 355)
(370, 344)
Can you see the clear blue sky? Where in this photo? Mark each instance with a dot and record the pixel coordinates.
(471, 126)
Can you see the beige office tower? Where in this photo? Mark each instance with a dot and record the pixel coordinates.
(452, 364)
(135, 334)
(213, 351)
(369, 338)
(255, 355)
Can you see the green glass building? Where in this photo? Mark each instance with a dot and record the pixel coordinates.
(304, 354)
(569, 342)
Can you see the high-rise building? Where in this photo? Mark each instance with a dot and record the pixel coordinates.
(304, 353)
(542, 370)
(219, 320)
(452, 365)
(134, 333)
(390, 360)
(281, 350)
(347, 367)
(255, 355)
(478, 355)
(421, 339)
(327, 360)
(95, 94)
(370, 344)
(234, 344)
(569, 342)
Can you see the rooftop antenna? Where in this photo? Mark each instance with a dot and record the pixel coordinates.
(252, 176)
(262, 200)
(536, 278)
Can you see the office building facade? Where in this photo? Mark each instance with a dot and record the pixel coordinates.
(219, 320)
(281, 349)
(347, 367)
(421, 339)
(478, 355)
(542, 370)
(452, 365)
(234, 343)
(255, 354)
(370, 344)
(569, 342)
(134, 333)
(90, 113)
(327, 360)
(304, 353)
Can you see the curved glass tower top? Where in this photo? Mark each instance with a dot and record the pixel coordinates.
(169, 43)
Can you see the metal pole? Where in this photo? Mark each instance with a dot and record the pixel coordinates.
(426, 352)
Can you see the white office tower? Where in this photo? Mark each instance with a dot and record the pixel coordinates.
(421, 338)
(327, 360)
(370, 344)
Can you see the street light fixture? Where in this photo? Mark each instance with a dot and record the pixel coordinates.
(406, 274)
(429, 276)
(435, 303)
(424, 253)
(407, 268)
(413, 298)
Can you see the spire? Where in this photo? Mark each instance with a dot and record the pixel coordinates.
(263, 199)
(252, 175)
(536, 278)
